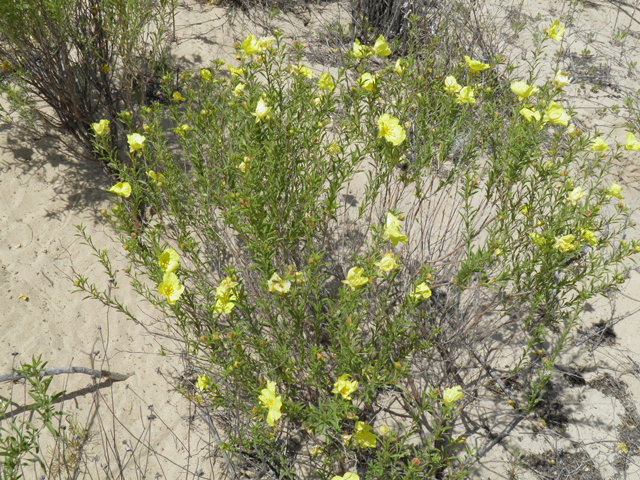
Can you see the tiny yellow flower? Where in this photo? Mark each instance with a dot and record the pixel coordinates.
(359, 51)
(355, 278)
(347, 476)
(452, 395)
(392, 230)
(170, 287)
(250, 45)
(261, 110)
(301, 70)
(466, 96)
(575, 195)
(589, 237)
(401, 65)
(235, 72)
(451, 85)
(169, 260)
(136, 142)
(530, 115)
(272, 402)
(389, 127)
(631, 143)
(422, 291)
(101, 128)
(185, 128)
(278, 285)
(614, 191)
(538, 239)
(555, 31)
(380, 48)
(225, 296)
(498, 251)
(177, 97)
(155, 177)
(243, 167)
(364, 437)
(265, 42)
(561, 79)
(325, 82)
(205, 75)
(555, 114)
(122, 189)
(345, 387)
(387, 263)
(203, 382)
(599, 145)
(367, 82)
(334, 148)
(474, 65)
(522, 90)
(384, 430)
(238, 90)
(623, 448)
(565, 243)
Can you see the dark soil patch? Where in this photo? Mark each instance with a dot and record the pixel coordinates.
(562, 465)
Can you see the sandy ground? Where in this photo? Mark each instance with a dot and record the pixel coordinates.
(145, 426)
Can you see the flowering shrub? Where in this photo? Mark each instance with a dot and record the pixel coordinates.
(334, 249)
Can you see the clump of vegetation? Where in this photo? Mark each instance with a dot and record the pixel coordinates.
(333, 249)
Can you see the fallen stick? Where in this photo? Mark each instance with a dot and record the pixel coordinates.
(116, 377)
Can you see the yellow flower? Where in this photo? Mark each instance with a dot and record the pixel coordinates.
(466, 96)
(631, 143)
(238, 90)
(451, 85)
(474, 65)
(301, 70)
(555, 114)
(243, 167)
(614, 191)
(265, 42)
(101, 128)
(380, 48)
(389, 127)
(300, 277)
(575, 195)
(278, 285)
(497, 252)
(565, 243)
(203, 382)
(136, 142)
(522, 90)
(250, 45)
(401, 64)
(205, 75)
(623, 448)
(599, 145)
(452, 395)
(235, 72)
(345, 387)
(155, 177)
(555, 31)
(272, 402)
(422, 291)
(177, 97)
(334, 148)
(384, 430)
(225, 296)
(261, 111)
(185, 128)
(363, 435)
(360, 51)
(367, 82)
(347, 476)
(387, 263)
(325, 82)
(169, 260)
(530, 114)
(170, 287)
(122, 189)
(561, 79)
(589, 237)
(392, 230)
(355, 278)
(538, 239)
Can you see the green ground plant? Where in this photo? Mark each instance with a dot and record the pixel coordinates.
(345, 255)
